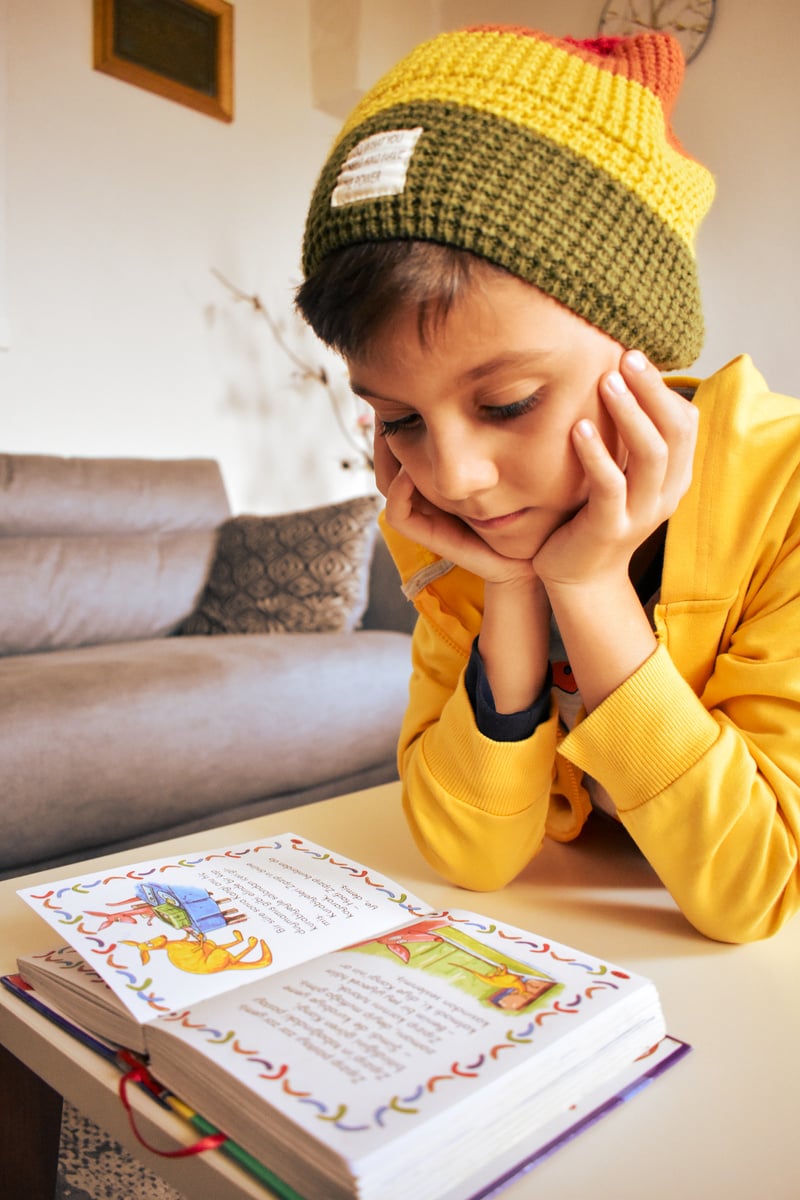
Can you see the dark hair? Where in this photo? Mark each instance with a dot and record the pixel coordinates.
(357, 290)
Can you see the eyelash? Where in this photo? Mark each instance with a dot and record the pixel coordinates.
(388, 429)
(502, 412)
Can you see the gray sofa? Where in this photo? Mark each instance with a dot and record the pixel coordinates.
(115, 732)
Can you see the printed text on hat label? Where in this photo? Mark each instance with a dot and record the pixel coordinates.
(377, 166)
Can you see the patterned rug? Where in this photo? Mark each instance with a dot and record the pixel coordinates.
(91, 1166)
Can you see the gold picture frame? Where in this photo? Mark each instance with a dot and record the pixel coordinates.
(181, 49)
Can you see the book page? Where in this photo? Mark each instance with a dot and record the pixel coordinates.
(64, 979)
(171, 932)
(359, 1045)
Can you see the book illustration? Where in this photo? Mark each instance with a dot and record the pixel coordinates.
(199, 955)
(195, 913)
(379, 1012)
(492, 977)
(257, 907)
(179, 907)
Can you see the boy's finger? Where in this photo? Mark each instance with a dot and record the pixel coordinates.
(647, 452)
(386, 465)
(658, 427)
(673, 416)
(399, 493)
(607, 484)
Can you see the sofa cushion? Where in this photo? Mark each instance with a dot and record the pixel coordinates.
(61, 592)
(102, 550)
(301, 572)
(120, 741)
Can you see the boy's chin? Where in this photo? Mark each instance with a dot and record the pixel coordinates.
(514, 545)
(525, 540)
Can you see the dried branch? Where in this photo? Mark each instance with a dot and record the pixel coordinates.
(307, 371)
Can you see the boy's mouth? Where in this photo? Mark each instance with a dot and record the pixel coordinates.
(490, 523)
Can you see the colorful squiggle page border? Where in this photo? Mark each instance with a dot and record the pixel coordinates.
(57, 901)
(601, 975)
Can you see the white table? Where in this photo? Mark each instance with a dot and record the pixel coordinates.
(724, 1122)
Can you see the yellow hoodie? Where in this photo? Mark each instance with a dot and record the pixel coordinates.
(699, 749)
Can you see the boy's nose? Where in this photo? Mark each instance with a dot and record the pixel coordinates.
(462, 468)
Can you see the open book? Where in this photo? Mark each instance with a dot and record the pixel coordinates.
(334, 1026)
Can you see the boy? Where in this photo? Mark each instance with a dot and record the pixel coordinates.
(606, 564)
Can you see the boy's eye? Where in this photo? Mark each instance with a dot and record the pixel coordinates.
(506, 412)
(401, 425)
(493, 412)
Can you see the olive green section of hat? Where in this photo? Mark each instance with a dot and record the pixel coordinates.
(534, 207)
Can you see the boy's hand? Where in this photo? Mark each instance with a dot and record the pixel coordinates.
(386, 465)
(658, 431)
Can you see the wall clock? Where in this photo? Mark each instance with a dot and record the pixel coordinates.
(689, 21)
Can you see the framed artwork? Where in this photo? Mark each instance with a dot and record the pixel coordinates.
(181, 49)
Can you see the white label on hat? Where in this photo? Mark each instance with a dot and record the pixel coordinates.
(377, 166)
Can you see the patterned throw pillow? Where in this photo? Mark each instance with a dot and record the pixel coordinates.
(302, 572)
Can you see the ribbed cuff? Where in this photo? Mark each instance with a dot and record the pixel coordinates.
(644, 736)
(498, 778)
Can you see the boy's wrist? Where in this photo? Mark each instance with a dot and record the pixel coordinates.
(600, 586)
(502, 726)
(513, 641)
(525, 587)
(606, 633)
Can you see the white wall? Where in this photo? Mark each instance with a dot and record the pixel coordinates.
(119, 203)
(4, 331)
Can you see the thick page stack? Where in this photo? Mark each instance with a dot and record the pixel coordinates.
(334, 1026)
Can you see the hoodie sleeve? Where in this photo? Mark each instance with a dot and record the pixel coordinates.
(478, 808)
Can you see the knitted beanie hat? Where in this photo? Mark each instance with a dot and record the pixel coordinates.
(550, 157)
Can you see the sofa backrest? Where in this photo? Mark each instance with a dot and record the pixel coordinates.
(102, 549)
(387, 607)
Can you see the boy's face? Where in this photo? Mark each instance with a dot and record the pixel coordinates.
(480, 416)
